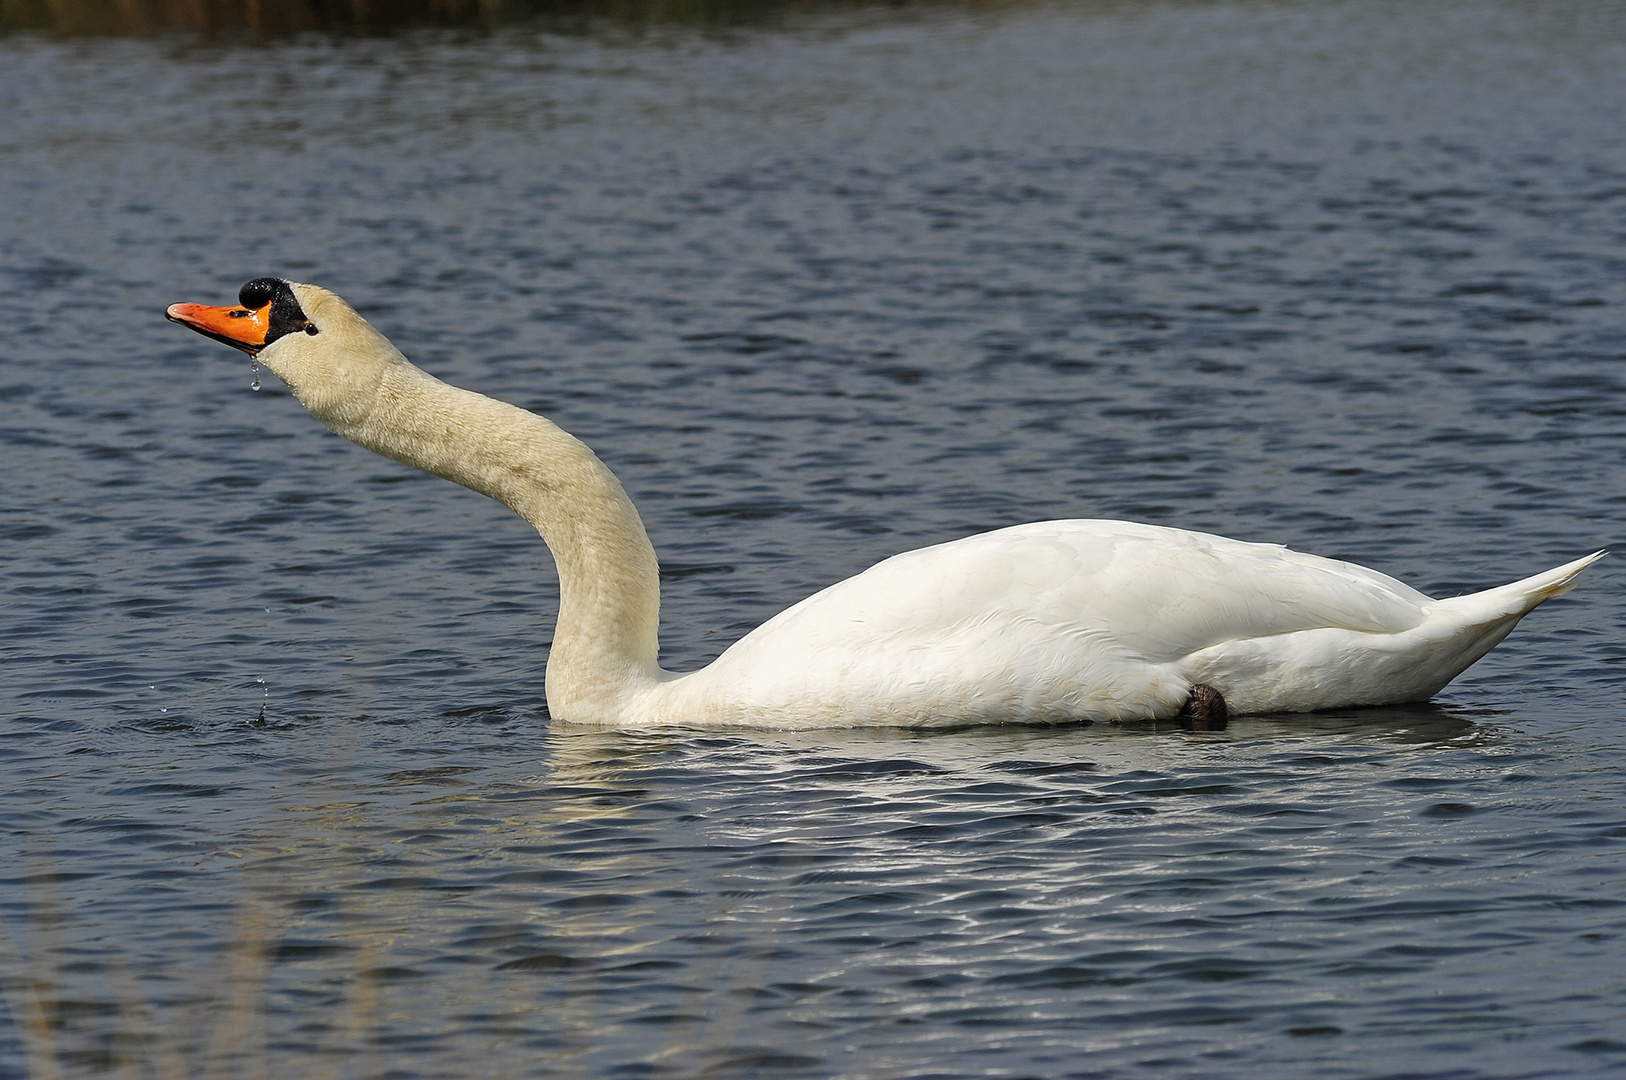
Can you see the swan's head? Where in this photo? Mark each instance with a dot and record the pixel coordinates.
(330, 357)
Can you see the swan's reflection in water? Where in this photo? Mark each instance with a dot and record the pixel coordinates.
(607, 896)
(575, 900)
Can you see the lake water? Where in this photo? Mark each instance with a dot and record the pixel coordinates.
(280, 794)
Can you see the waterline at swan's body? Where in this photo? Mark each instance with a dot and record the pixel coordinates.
(1054, 621)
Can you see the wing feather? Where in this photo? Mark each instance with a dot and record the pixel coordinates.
(1153, 592)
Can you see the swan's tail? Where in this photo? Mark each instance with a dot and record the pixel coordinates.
(1521, 597)
(1464, 628)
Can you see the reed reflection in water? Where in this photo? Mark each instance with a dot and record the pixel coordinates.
(256, 19)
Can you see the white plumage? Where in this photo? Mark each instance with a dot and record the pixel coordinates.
(1054, 621)
(1099, 620)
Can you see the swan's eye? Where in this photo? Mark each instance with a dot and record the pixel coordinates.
(310, 328)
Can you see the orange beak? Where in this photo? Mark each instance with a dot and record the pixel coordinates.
(238, 327)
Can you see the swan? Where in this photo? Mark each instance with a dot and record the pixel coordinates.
(1054, 621)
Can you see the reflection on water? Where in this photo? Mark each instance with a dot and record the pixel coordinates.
(283, 795)
(256, 20)
(699, 902)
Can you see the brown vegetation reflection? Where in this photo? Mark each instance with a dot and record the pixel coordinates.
(279, 17)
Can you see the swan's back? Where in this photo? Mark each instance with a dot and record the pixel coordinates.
(1051, 621)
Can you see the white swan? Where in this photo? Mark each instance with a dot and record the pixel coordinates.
(1055, 621)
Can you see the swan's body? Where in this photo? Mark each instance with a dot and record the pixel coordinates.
(1055, 621)
(1099, 620)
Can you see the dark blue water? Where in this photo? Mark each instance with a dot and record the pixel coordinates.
(280, 795)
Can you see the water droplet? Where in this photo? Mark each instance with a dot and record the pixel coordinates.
(254, 366)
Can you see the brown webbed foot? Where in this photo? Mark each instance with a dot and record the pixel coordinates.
(1205, 708)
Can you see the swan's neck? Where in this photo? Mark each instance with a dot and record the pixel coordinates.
(605, 644)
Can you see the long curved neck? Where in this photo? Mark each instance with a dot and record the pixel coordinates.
(605, 643)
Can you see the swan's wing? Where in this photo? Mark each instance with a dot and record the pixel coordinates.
(1139, 592)
(1165, 593)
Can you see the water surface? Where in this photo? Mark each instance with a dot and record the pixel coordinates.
(281, 793)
